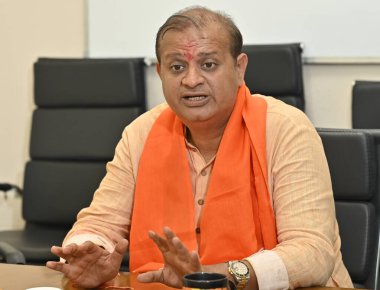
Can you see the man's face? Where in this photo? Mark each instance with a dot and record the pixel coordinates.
(200, 78)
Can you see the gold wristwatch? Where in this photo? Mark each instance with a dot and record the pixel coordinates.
(240, 272)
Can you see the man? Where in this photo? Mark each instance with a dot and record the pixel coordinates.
(238, 184)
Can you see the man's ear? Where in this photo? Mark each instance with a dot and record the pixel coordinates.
(158, 69)
(241, 62)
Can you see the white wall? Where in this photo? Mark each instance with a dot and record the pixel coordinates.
(28, 30)
(328, 90)
(338, 28)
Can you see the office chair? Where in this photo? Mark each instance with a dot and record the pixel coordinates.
(354, 162)
(366, 104)
(276, 70)
(83, 106)
(10, 255)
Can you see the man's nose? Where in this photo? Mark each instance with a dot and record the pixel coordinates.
(193, 77)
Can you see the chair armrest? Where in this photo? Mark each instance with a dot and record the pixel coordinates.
(10, 254)
(5, 187)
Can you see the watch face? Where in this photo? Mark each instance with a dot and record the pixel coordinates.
(240, 268)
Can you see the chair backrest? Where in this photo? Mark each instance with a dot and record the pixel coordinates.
(366, 105)
(353, 158)
(276, 70)
(83, 106)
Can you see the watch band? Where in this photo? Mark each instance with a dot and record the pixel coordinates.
(240, 273)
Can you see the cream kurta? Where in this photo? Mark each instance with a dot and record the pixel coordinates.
(308, 252)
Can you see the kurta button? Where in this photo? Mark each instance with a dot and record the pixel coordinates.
(198, 230)
(204, 172)
(201, 201)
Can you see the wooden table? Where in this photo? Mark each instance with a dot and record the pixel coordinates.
(21, 277)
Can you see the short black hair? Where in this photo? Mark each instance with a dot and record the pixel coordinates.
(199, 17)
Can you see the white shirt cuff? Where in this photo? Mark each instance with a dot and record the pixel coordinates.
(270, 270)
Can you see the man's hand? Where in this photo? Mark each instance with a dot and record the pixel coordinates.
(178, 261)
(88, 265)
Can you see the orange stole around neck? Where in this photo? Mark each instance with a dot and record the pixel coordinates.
(237, 218)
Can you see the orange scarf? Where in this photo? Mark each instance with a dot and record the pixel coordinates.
(237, 218)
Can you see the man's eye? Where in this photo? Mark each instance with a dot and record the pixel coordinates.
(209, 65)
(177, 67)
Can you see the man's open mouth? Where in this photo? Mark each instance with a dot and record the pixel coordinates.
(195, 98)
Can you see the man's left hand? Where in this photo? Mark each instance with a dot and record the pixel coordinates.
(178, 260)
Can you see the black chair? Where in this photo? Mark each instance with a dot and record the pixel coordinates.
(276, 70)
(83, 106)
(353, 158)
(10, 255)
(366, 105)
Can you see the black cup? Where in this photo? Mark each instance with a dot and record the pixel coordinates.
(204, 280)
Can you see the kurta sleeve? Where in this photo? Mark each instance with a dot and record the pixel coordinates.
(302, 198)
(108, 218)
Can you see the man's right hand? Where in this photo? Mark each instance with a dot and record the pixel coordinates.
(88, 265)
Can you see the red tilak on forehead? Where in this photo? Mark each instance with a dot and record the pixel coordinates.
(189, 55)
(189, 51)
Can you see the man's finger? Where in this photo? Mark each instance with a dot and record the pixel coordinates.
(87, 248)
(152, 276)
(119, 252)
(73, 251)
(57, 266)
(70, 249)
(58, 251)
(169, 233)
(195, 261)
(182, 251)
(161, 243)
(121, 247)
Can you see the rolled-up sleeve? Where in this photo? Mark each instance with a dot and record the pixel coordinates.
(300, 186)
(108, 218)
(270, 270)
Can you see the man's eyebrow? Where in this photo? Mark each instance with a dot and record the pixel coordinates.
(174, 55)
(181, 54)
(207, 54)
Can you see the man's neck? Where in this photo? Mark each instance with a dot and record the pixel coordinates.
(206, 140)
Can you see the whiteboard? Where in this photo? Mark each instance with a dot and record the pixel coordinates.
(327, 28)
